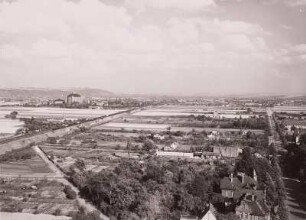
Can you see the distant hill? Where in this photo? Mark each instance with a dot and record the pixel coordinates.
(22, 93)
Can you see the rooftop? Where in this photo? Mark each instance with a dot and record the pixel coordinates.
(74, 95)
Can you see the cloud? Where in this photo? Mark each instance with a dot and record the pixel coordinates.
(286, 27)
(236, 27)
(295, 3)
(189, 6)
(291, 51)
(10, 52)
(288, 3)
(91, 43)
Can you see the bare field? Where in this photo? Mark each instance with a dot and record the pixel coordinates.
(33, 166)
(229, 113)
(29, 216)
(134, 126)
(223, 130)
(56, 113)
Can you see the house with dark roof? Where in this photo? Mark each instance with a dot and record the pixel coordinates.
(243, 194)
(229, 152)
(233, 188)
(251, 208)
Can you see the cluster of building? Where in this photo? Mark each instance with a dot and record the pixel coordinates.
(217, 152)
(295, 128)
(242, 195)
(72, 99)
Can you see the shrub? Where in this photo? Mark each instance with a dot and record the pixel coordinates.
(70, 194)
(57, 212)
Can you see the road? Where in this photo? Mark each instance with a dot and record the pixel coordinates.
(295, 194)
(20, 142)
(274, 138)
(57, 173)
(296, 199)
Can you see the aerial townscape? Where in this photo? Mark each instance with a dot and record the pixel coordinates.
(152, 110)
(152, 157)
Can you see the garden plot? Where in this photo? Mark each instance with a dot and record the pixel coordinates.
(35, 196)
(95, 159)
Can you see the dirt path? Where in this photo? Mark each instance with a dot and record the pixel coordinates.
(82, 202)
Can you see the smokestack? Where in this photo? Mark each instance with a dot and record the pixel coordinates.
(255, 175)
(232, 177)
(242, 178)
(253, 197)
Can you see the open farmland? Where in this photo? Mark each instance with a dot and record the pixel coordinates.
(164, 127)
(290, 109)
(57, 113)
(134, 126)
(190, 129)
(179, 111)
(9, 126)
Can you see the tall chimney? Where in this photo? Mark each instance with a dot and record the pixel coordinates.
(232, 177)
(243, 178)
(255, 175)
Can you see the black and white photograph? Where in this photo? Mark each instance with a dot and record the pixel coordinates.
(152, 109)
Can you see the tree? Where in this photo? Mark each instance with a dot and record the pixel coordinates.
(70, 194)
(148, 145)
(80, 164)
(246, 163)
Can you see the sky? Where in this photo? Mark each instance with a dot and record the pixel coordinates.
(184, 47)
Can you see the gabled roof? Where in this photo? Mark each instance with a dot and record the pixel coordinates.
(259, 194)
(59, 100)
(188, 217)
(209, 213)
(237, 183)
(226, 183)
(256, 208)
(74, 95)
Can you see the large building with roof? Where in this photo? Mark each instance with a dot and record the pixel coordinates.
(74, 98)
